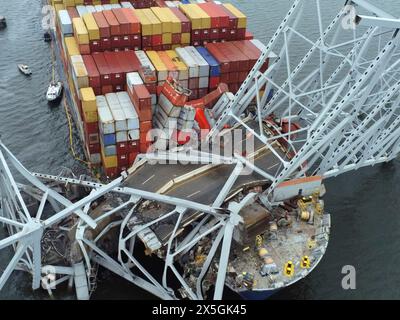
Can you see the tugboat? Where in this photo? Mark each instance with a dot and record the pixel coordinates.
(54, 92)
(3, 23)
(25, 69)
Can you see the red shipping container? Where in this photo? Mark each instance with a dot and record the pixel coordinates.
(105, 44)
(241, 34)
(84, 49)
(124, 24)
(95, 46)
(116, 42)
(142, 98)
(248, 36)
(122, 160)
(233, 20)
(219, 56)
(156, 40)
(103, 25)
(72, 12)
(214, 34)
(242, 76)
(239, 62)
(146, 126)
(91, 128)
(97, 91)
(246, 49)
(134, 22)
(107, 89)
(93, 72)
(133, 146)
(145, 114)
(102, 66)
(92, 138)
(115, 29)
(203, 92)
(144, 147)
(129, 61)
(223, 34)
(94, 148)
(224, 18)
(224, 78)
(214, 82)
(234, 77)
(126, 41)
(151, 87)
(196, 35)
(176, 38)
(136, 42)
(132, 157)
(232, 35)
(146, 41)
(205, 34)
(118, 75)
(193, 83)
(210, 10)
(194, 95)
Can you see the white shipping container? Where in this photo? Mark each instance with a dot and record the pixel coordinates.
(133, 135)
(165, 120)
(110, 151)
(204, 67)
(65, 23)
(82, 10)
(203, 82)
(99, 7)
(91, 9)
(122, 136)
(126, 4)
(189, 61)
(117, 112)
(107, 6)
(148, 71)
(76, 59)
(116, 6)
(169, 109)
(106, 120)
(133, 79)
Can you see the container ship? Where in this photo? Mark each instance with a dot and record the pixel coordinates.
(130, 68)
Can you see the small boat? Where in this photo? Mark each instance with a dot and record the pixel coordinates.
(54, 92)
(47, 37)
(25, 69)
(3, 22)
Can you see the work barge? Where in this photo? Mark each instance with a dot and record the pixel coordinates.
(251, 221)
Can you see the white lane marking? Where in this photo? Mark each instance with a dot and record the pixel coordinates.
(193, 194)
(148, 179)
(276, 164)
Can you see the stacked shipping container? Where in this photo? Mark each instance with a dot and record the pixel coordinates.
(125, 84)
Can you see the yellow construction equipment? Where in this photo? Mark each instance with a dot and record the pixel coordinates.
(259, 241)
(289, 269)
(305, 262)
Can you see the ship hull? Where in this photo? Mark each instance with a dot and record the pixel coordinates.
(257, 294)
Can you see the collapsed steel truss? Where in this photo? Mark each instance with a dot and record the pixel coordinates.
(344, 93)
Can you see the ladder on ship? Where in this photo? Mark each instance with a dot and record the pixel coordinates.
(342, 94)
